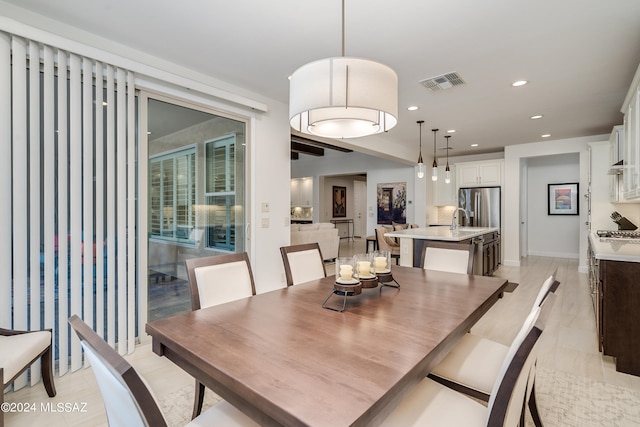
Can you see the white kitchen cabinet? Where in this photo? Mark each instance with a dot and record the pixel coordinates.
(631, 169)
(616, 153)
(482, 173)
(302, 191)
(445, 194)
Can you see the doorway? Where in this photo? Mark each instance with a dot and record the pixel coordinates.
(196, 195)
(359, 204)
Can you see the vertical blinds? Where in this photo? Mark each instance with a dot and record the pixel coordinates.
(68, 197)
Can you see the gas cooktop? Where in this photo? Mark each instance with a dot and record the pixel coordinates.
(619, 234)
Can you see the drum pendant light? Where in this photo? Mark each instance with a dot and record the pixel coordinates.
(343, 97)
(447, 171)
(420, 162)
(434, 168)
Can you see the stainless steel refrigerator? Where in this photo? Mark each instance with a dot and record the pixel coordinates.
(482, 205)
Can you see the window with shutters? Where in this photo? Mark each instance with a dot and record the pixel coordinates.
(173, 191)
(220, 193)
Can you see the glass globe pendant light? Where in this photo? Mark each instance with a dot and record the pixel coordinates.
(434, 168)
(420, 162)
(447, 171)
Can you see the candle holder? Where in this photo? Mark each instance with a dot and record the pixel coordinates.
(382, 262)
(346, 271)
(382, 268)
(365, 270)
(346, 282)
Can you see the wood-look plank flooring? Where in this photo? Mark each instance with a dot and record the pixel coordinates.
(569, 345)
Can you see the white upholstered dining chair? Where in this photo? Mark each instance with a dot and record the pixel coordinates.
(127, 399)
(18, 351)
(432, 404)
(216, 280)
(473, 365)
(453, 257)
(302, 263)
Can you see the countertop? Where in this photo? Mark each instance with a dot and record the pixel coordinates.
(615, 249)
(442, 233)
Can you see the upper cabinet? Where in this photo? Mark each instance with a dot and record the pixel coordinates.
(480, 174)
(616, 154)
(631, 158)
(445, 194)
(302, 191)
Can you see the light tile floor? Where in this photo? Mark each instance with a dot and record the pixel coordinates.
(569, 345)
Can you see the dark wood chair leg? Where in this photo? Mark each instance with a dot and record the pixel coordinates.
(533, 407)
(46, 369)
(198, 399)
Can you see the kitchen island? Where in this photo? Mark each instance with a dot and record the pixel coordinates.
(614, 268)
(486, 239)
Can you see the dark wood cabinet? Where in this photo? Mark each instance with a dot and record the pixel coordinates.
(617, 306)
(491, 253)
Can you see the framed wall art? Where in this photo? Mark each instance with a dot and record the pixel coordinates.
(392, 203)
(563, 199)
(339, 202)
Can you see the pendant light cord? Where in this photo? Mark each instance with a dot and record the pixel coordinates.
(447, 137)
(435, 162)
(420, 122)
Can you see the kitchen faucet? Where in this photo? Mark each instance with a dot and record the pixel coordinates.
(454, 222)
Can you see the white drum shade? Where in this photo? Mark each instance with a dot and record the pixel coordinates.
(343, 97)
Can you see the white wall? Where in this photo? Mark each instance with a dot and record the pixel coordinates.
(377, 170)
(514, 154)
(551, 235)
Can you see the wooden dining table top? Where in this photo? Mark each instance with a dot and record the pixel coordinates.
(283, 359)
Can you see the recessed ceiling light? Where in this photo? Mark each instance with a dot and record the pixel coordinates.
(537, 116)
(474, 145)
(451, 131)
(412, 108)
(546, 135)
(519, 83)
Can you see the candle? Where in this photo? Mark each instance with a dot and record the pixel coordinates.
(346, 272)
(364, 268)
(380, 263)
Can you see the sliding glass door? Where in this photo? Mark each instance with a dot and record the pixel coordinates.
(196, 196)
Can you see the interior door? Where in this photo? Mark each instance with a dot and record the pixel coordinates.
(359, 208)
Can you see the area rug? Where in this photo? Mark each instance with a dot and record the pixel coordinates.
(178, 405)
(564, 400)
(568, 400)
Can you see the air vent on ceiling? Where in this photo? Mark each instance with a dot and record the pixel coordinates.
(444, 81)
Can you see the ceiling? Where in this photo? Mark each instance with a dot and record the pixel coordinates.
(579, 56)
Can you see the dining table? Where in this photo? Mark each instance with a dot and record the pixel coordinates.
(283, 359)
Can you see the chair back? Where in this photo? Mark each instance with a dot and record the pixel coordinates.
(550, 285)
(302, 263)
(219, 279)
(448, 256)
(386, 243)
(127, 400)
(509, 392)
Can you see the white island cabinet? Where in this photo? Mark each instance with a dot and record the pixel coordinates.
(486, 240)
